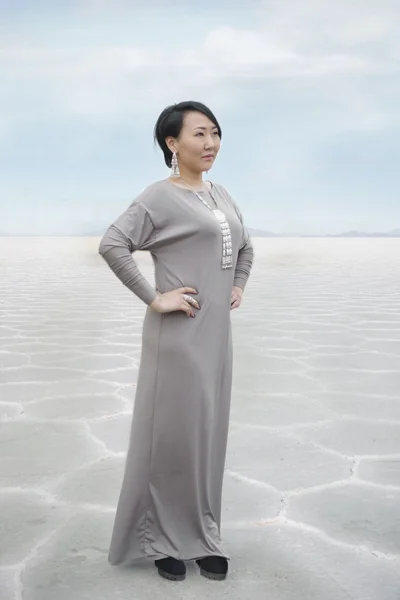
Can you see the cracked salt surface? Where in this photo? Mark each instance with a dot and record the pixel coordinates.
(311, 500)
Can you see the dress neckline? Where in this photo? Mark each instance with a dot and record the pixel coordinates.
(190, 190)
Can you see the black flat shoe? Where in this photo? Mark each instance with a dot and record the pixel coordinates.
(213, 567)
(171, 568)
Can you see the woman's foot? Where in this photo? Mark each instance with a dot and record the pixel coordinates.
(171, 568)
(213, 567)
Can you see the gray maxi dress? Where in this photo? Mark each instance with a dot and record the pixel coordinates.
(170, 501)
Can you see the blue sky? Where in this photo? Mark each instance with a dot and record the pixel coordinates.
(307, 93)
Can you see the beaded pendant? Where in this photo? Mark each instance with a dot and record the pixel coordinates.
(226, 260)
(226, 239)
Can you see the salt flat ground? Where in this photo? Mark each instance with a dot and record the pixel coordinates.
(312, 486)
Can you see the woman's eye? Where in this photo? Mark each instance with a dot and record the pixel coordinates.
(201, 133)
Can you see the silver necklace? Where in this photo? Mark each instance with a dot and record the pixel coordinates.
(226, 261)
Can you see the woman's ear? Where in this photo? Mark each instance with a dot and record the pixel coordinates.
(170, 141)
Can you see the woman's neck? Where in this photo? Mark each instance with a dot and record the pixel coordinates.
(195, 180)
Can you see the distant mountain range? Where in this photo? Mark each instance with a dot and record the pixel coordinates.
(261, 233)
(395, 233)
(359, 234)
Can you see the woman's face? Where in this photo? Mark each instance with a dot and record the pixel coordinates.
(198, 143)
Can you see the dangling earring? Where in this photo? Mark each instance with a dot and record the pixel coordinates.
(174, 166)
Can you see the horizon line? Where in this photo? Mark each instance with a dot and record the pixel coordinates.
(258, 234)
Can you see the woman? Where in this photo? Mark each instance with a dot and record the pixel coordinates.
(170, 503)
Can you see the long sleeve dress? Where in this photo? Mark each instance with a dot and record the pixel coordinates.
(170, 501)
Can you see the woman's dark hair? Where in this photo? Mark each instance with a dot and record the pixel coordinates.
(170, 123)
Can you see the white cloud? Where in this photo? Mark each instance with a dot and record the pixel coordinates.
(316, 24)
(314, 40)
(224, 51)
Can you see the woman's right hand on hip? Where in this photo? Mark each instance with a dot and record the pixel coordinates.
(179, 299)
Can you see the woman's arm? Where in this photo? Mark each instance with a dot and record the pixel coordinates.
(244, 263)
(245, 256)
(133, 230)
(246, 253)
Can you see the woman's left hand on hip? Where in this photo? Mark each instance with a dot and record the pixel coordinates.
(236, 297)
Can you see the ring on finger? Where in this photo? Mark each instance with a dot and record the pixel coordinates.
(188, 298)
